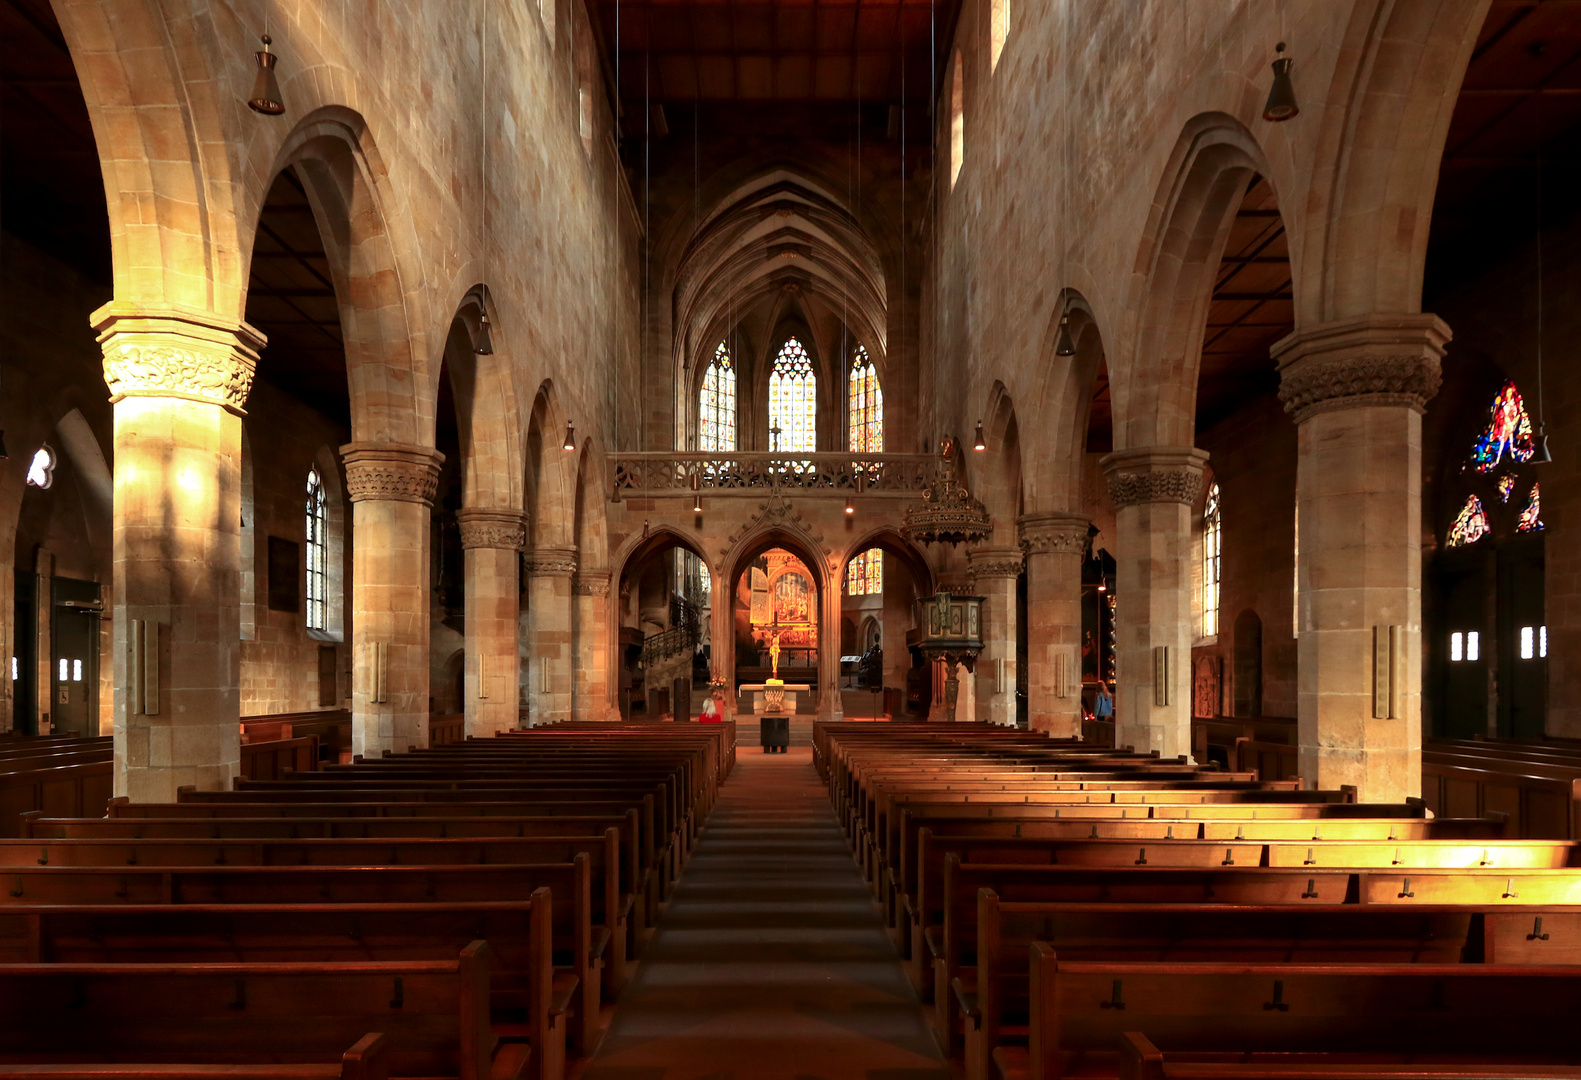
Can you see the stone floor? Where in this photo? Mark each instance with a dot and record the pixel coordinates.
(770, 962)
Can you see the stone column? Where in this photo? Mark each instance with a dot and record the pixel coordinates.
(1055, 544)
(1357, 390)
(178, 381)
(1153, 490)
(491, 540)
(549, 572)
(994, 573)
(722, 635)
(897, 621)
(830, 704)
(590, 698)
(391, 486)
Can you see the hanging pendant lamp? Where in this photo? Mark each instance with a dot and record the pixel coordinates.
(980, 443)
(1282, 94)
(266, 88)
(483, 342)
(570, 436)
(1065, 346)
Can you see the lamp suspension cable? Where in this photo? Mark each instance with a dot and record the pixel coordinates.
(483, 345)
(1064, 346)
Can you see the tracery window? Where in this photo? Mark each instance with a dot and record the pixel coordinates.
(1212, 543)
(864, 575)
(317, 549)
(1509, 431)
(41, 470)
(1471, 524)
(716, 406)
(793, 400)
(1532, 516)
(867, 405)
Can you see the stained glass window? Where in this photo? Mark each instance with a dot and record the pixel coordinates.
(317, 530)
(867, 405)
(716, 406)
(864, 575)
(1506, 485)
(1212, 542)
(1509, 431)
(1471, 524)
(1532, 516)
(793, 400)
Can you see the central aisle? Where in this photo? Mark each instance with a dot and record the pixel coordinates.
(770, 961)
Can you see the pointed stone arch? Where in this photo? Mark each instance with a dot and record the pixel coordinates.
(1155, 387)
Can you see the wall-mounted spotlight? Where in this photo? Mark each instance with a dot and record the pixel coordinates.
(570, 436)
(979, 443)
(266, 88)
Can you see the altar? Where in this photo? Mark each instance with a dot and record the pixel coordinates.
(755, 694)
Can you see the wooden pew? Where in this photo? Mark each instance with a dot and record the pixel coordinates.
(272, 759)
(568, 883)
(435, 1013)
(524, 985)
(611, 905)
(1141, 1060)
(992, 994)
(1081, 1010)
(366, 1060)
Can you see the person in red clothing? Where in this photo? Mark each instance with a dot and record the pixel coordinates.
(711, 711)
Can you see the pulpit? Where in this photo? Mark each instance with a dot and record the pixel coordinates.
(949, 630)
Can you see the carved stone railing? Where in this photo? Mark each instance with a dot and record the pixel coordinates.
(667, 472)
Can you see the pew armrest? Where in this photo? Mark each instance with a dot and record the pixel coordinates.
(510, 1061)
(562, 994)
(599, 945)
(1012, 1063)
(964, 987)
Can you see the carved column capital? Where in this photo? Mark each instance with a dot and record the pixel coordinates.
(551, 562)
(175, 353)
(391, 472)
(591, 583)
(1154, 474)
(1367, 362)
(1052, 533)
(985, 563)
(487, 527)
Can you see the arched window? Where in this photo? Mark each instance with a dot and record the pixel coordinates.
(41, 471)
(793, 400)
(864, 575)
(1212, 541)
(716, 405)
(867, 406)
(317, 531)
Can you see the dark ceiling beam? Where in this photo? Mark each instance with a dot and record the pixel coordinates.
(1282, 294)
